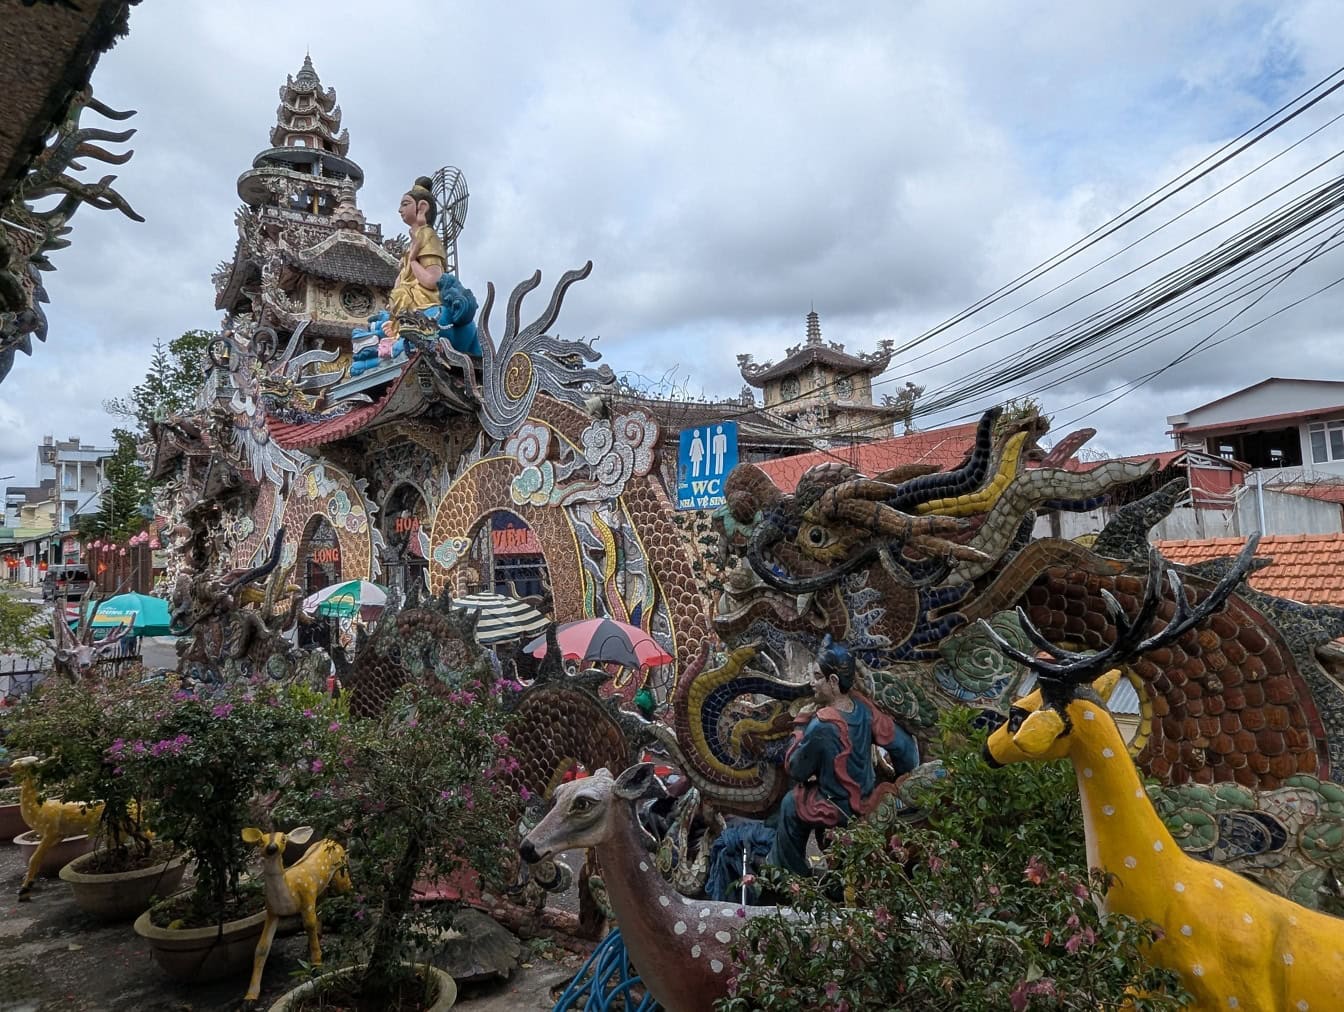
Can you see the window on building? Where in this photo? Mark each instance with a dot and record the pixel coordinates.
(1327, 441)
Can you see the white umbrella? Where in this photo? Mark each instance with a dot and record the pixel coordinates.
(502, 618)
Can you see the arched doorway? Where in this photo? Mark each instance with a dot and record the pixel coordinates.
(405, 524)
(319, 557)
(507, 555)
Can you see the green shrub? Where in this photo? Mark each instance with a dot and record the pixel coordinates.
(988, 905)
(203, 761)
(417, 794)
(72, 726)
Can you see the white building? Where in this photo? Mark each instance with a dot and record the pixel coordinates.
(77, 469)
(1276, 423)
(1291, 433)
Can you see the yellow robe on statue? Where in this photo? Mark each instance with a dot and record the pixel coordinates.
(408, 295)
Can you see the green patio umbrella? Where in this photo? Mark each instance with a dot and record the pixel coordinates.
(147, 616)
(342, 600)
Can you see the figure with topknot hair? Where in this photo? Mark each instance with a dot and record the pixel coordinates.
(830, 758)
(417, 284)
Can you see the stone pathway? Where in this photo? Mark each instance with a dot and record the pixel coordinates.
(53, 958)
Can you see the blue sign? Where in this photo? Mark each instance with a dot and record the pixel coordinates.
(707, 454)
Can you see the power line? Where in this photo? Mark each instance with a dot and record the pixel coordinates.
(1260, 200)
(1239, 287)
(1090, 335)
(1114, 318)
(1205, 344)
(926, 366)
(1138, 209)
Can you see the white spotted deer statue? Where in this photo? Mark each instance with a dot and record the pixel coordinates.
(1235, 944)
(681, 947)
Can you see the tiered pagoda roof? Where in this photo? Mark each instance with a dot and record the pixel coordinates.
(300, 220)
(800, 356)
(307, 110)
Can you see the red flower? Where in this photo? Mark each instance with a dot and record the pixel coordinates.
(1035, 872)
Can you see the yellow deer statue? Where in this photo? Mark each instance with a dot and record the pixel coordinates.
(54, 820)
(1235, 944)
(294, 890)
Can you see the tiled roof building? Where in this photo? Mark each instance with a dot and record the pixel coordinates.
(1306, 567)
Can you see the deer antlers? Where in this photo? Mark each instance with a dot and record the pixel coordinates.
(1074, 668)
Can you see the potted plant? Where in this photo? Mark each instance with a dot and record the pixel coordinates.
(419, 798)
(21, 629)
(74, 725)
(11, 819)
(200, 765)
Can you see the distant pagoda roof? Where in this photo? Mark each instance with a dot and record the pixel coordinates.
(305, 108)
(813, 350)
(347, 256)
(756, 426)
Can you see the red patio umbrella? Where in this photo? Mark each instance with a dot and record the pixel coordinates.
(606, 640)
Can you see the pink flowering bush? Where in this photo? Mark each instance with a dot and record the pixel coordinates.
(203, 760)
(82, 731)
(419, 794)
(986, 905)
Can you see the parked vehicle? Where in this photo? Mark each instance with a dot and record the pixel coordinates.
(65, 581)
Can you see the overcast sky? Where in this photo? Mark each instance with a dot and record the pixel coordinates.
(726, 166)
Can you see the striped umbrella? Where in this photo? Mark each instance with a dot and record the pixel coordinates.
(502, 618)
(343, 600)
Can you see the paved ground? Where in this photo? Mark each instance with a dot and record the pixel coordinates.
(55, 959)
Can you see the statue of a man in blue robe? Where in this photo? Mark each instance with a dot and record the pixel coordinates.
(830, 758)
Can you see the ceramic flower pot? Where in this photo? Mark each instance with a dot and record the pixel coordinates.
(203, 954)
(11, 821)
(447, 988)
(56, 857)
(118, 896)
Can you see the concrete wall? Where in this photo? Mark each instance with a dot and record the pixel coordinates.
(1288, 514)
(1187, 524)
(1275, 398)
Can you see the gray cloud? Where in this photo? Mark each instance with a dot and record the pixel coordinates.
(726, 166)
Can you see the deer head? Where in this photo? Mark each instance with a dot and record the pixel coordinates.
(273, 844)
(76, 652)
(586, 812)
(1039, 723)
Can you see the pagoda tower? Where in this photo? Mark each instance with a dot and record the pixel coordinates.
(305, 250)
(821, 388)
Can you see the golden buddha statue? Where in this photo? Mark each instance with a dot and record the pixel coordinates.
(417, 284)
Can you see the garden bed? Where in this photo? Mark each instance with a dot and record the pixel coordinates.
(118, 860)
(180, 911)
(53, 956)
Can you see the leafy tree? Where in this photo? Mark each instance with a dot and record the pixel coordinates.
(21, 627)
(175, 374)
(127, 495)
